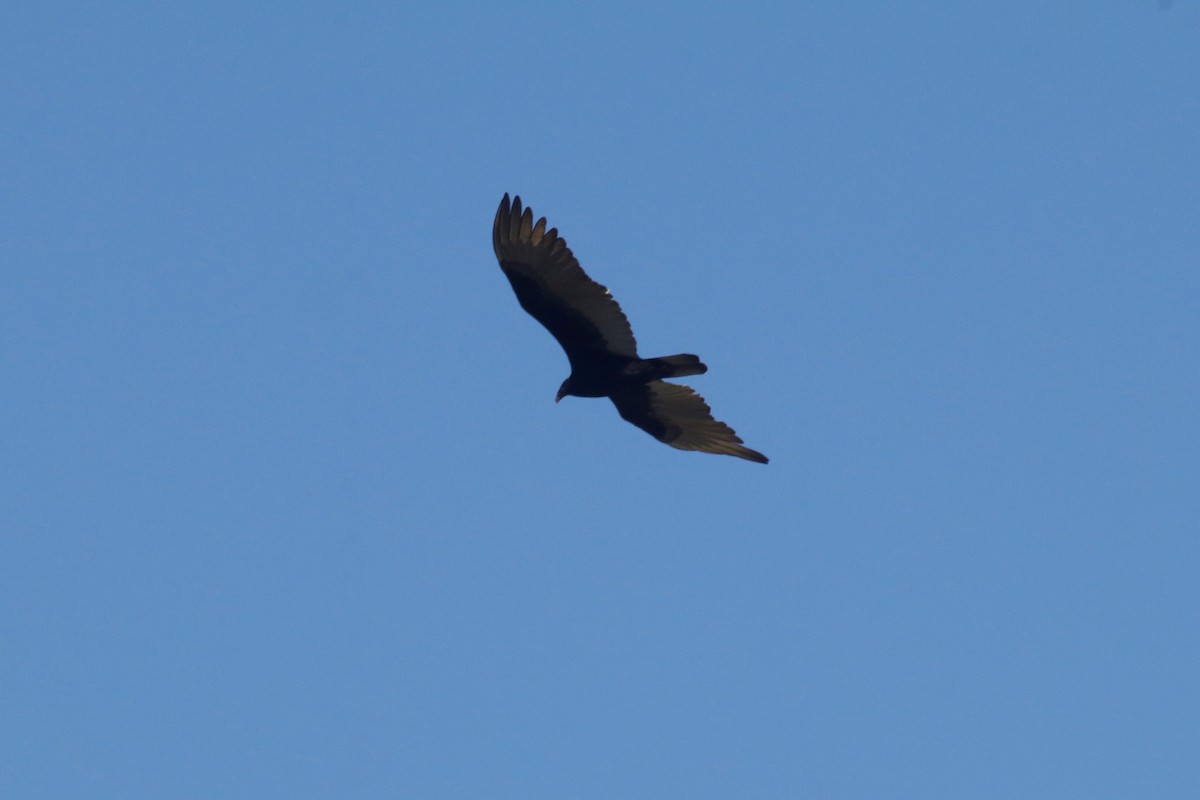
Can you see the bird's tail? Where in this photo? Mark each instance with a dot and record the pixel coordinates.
(675, 366)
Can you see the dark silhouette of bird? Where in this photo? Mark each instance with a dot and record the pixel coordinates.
(594, 332)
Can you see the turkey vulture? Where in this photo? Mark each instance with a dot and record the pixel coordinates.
(594, 332)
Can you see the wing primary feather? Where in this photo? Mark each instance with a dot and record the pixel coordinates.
(526, 228)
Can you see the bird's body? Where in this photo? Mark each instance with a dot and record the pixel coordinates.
(607, 374)
(599, 343)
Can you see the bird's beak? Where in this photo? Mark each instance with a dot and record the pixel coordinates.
(558, 397)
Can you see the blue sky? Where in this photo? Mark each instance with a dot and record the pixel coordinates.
(288, 509)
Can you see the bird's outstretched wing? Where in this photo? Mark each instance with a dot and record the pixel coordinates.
(675, 414)
(555, 290)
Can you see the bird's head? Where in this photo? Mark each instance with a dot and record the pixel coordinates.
(563, 390)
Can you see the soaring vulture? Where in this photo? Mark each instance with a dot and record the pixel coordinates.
(592, 329)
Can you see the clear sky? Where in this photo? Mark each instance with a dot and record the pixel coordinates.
(288, 509)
